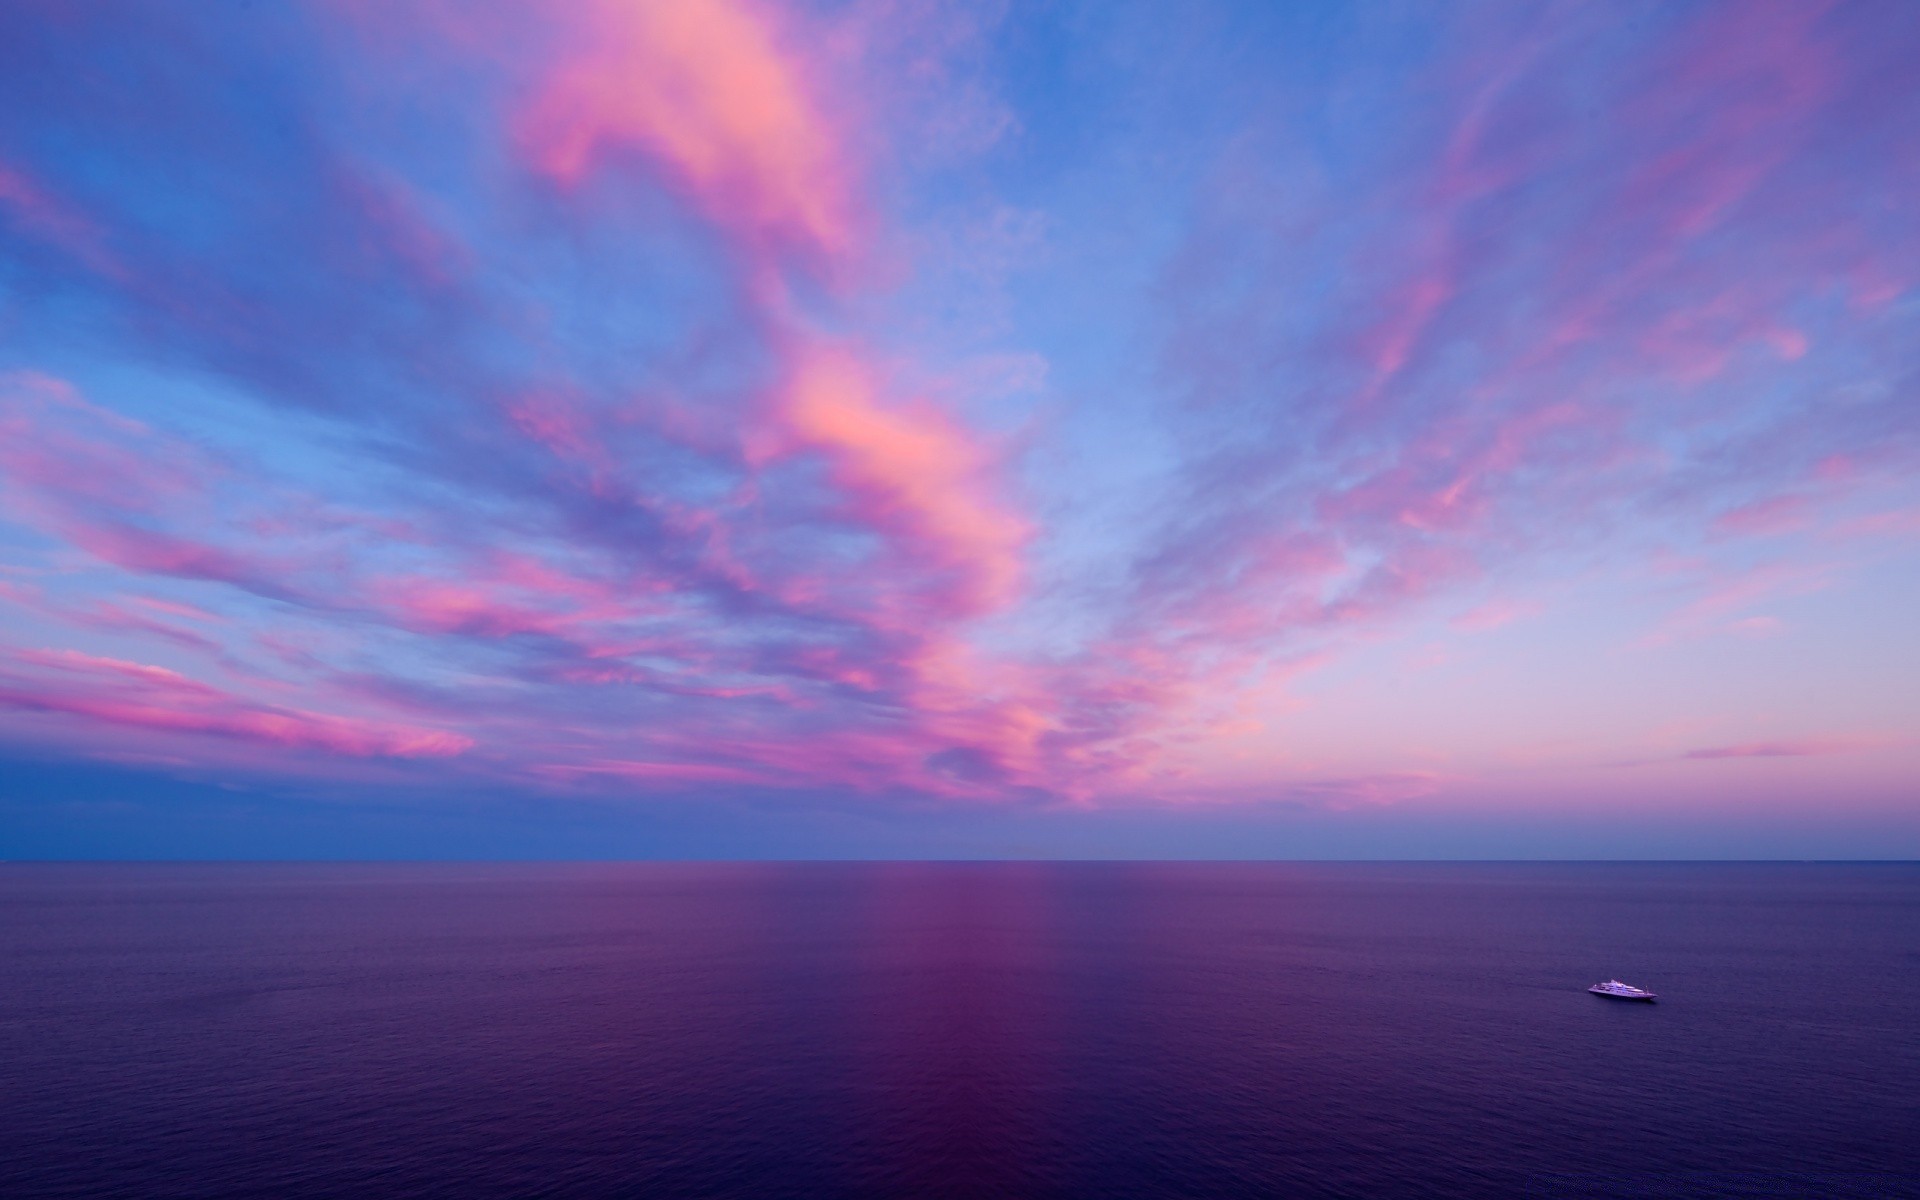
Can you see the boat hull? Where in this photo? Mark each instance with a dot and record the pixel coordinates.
(1648, 999)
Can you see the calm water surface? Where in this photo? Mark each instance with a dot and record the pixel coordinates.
(1000, 1029)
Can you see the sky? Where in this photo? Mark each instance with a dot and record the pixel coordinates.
(911, 428)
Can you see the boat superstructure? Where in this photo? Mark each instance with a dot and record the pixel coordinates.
(1620, 991)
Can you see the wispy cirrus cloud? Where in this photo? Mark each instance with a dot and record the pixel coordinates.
(140, 696)
(1787, 748)
(707, 90)
(556, 383)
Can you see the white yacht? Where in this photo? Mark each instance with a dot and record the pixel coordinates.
(1620, 991)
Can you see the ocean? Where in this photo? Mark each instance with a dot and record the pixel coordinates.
(958, 1030)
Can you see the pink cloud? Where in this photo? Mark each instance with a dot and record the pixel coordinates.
(1494, 614)
(1412, 309)
(118, 692)
(401, 230)
(1891, 524)
(654, 773)
(711, 89)
(1758, 627)
(1343, 793)
(910, 470)
(173, 608)
(566, 430)
(1798, 748)
(1719, 598)
(745, 555)
(1760, 518)
(39, 213)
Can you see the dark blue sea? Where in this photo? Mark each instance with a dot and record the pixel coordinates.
(964, 1030)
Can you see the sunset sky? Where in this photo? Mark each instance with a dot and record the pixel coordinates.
(922, 428)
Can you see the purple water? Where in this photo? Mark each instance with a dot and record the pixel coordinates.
(1003, 1029)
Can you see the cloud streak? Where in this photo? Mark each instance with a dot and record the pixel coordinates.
(1801, 748)
(138, 696)
(582, 400)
